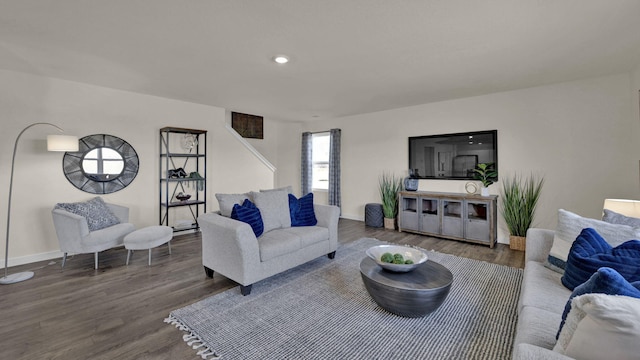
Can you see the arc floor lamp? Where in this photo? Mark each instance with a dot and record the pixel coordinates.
(54, 143)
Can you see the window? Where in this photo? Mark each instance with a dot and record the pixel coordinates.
(103, 161)
(320, 161)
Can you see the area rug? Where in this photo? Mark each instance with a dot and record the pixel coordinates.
(321, 310)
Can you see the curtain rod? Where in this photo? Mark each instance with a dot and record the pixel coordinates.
(318, 132)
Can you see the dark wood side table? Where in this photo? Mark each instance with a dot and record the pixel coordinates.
(412, 294)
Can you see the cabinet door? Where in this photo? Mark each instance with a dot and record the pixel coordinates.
(477, 221)
(409, 213)
(452, 218)
(429, 215)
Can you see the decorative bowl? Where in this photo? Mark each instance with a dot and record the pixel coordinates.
(418, 256)
(183, 197)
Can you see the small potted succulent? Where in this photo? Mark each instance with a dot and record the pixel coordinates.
(487, 174)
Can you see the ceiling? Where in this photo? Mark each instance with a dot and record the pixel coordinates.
(347, 56)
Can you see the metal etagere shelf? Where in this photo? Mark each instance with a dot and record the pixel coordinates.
(183, 175)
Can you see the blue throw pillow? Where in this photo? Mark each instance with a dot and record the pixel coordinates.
(301, 210)
(604, 281)
(590, 252)
(248, 213)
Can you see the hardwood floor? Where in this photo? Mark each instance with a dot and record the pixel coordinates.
(117, 311)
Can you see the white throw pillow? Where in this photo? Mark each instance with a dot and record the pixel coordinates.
(226, 202)
(288, 189)
(570, 225)
(601, 326)
(274, 208)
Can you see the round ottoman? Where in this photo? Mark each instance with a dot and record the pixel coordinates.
(148, 238)
(373, 215)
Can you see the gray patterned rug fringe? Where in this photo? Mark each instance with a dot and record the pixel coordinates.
(321, 310)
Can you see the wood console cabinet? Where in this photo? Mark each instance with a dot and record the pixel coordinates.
(454, 216)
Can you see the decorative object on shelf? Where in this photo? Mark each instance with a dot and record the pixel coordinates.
(471, 188)
(178, 173)
(519, 199)
(103, 164)
(248, 126)
(182, 196)
(54, 143)
(183, 224)
(189, 141)
(389, 185)
(411, 183)
(486, 173)
(198, 180)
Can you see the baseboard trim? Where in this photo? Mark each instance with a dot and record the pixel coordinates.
(351, 217)
(28, 259)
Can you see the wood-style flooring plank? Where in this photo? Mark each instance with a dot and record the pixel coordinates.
(117, 311)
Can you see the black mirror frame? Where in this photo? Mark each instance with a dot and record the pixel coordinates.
(72, 164)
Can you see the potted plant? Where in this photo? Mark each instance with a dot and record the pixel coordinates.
(487, 174)
(390, 185)
(519, 199)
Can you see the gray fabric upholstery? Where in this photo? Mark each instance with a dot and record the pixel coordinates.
(274, 209)
(226, 202)
(148, 237)
(537, 327)
(539, 242)
(288, 189)
(230, 247)
(74, 236)
(526, 351)
(277, 243)
(542, 300)
(308, 235)
(616, 218)
(541, 287)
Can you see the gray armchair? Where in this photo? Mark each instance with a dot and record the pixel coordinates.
(74, 235)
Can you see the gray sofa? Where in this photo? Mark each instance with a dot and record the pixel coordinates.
(231, 248)
(542, 300)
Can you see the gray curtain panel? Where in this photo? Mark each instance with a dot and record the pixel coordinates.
(334, 168)
(307, 163)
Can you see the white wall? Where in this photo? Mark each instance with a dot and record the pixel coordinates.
(83, 110)
(281, 147)
(582, 136)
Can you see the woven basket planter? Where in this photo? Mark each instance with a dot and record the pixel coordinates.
(517, 243)
(389, 223)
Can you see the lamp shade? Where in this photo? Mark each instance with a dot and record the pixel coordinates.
(625, 207)
(62, 143)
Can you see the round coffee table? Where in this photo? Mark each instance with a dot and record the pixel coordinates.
(412, 294)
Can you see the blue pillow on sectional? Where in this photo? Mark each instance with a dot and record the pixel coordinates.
(604, 281)
(248, 213)
(301, 210)
(590, 252)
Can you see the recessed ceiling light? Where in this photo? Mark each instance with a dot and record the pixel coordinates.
(281, 59)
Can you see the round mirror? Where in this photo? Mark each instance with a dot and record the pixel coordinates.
(103, 164)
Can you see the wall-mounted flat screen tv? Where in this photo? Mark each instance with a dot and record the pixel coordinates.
(452, 156)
